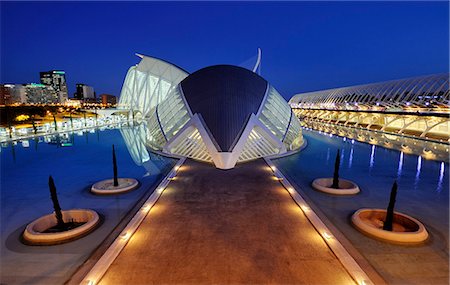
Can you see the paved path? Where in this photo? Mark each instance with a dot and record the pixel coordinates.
(237, 226)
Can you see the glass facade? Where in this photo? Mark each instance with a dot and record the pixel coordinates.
(153, 88)
(173, 113)
(275, 114)
(257, 146)
(293, 138)
(148, 84)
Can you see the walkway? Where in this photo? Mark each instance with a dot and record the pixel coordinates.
(235, 226)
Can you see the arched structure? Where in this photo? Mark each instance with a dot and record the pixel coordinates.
(415, 108)
(429, 93)
(148, 83)
(222, 114)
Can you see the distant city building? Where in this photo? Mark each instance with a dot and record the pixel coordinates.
(57, 80)
(19, 94)
(5, 94)
(13, 94)
(85, 93)
(40, 94)
(108, 99)
(74, 103)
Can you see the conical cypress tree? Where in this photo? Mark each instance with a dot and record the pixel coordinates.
(54, 120)
(71, 120)
(116, 181)
(337, 163)
(387, 226)
(53, 195)
(34, 125)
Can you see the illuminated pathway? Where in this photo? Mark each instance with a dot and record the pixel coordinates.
(234, 226)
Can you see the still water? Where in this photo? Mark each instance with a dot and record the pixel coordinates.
(76, 161)
(423, 193)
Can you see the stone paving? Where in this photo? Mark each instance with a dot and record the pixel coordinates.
(237, 226)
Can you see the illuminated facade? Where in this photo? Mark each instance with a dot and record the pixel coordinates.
(221, 114)
(415, 107)
(57, 80)
(427, 93)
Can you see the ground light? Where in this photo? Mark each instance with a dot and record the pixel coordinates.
(108, 257)
(334, 244)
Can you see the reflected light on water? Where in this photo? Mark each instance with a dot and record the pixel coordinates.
(372, 157)
(419, 166)
(350, 158)
(441, 177)
(400, 165)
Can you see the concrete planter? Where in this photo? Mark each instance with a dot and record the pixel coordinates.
(406, 229)
(346, 187)
(34, 232)
(107, 186)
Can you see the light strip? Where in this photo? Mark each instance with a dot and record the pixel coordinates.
(101, 266)
(338, 249)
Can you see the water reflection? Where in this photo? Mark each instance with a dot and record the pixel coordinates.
(350, 158)
(419, 167)
(328, 155)
(400, 165)
(390, 162)
(441, 177)
(135, 139)
(372, 158)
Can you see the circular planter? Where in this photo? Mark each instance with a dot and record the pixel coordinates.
(34, 232)
(107, 186)
(406, 229)
(346, 187)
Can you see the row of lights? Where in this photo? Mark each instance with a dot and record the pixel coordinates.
(125, 236)
(327, 236)
(427, 151)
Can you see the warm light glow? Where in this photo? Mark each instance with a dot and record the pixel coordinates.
(171, 178)
(21, 118)
(305, 208)
(273, 168)
(160, 190)
(327, 235)
(125, 235)
(365, 282)
(90, 282)
(146, 208)
(176, 167)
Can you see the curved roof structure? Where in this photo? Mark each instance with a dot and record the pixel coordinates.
(225, 96)
(148, 84)
(429, 92)
(222, 114)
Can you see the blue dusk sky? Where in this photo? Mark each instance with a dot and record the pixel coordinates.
(306, 46)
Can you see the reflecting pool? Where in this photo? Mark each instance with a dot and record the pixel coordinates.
(76, 161)
(423, 193)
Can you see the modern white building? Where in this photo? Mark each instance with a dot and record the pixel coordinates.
(222, 114)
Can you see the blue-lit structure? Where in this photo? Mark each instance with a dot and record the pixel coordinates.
(222, 114)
